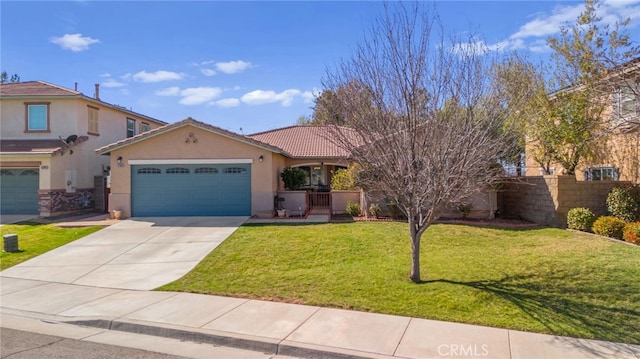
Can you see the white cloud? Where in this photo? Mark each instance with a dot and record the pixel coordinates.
(259, 97)
(620, 3)
(472, 47)
(73, 42)
(105, 75)
(232, 67)
(546, 25)
(534, 33)
(169, 91)
(308, 96)
(227, 102)
(539, 46)
(112, 83)
(199, 95)
(208, 72)
(157, 76)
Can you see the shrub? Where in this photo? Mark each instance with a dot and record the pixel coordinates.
(464, 209)
(631, 233)
(293, 178)
(353, 209)
(624, 202)
(344, 179)
(374, 210)
(609, 226)
(581, 219)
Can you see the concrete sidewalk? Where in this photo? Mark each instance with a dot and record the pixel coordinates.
(284, 329)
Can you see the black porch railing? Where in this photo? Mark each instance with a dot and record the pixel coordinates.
(319, 202)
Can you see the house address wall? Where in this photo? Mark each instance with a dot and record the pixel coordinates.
(548, 199)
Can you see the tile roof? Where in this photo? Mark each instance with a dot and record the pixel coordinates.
(50, 146)
(305, 141)
(188, 121)
(35, 88)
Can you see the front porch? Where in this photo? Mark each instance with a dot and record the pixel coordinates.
(301, 204)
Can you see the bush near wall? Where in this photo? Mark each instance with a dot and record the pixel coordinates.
(624, 202)
(609, 226)
(580, 219)
(631, 233)
(353, 209)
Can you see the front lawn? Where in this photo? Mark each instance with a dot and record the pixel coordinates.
(541, 280)
(36, 238)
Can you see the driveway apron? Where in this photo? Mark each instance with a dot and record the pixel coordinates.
(138, 253)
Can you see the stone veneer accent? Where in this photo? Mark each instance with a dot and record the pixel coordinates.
(547, 199)
(57, 201)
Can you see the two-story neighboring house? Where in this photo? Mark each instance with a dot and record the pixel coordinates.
(619, 157)
(48, 137)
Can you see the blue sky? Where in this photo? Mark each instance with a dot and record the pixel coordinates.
(237, 65)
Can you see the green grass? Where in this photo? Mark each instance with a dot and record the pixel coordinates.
(35, 239)
(541, 280)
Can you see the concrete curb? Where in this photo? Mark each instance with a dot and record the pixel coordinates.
(259, 344)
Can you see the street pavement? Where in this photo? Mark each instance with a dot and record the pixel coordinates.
(89, 284)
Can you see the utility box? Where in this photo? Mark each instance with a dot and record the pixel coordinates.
(10, 243)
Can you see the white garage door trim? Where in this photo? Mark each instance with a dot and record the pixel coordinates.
(205, 161)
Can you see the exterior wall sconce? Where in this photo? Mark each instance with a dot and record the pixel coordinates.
(119, 161)
(261, 158)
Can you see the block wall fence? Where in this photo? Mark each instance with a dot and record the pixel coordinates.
(547, 199)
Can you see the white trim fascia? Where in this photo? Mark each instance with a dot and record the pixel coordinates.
(19, 155)
(201, 161)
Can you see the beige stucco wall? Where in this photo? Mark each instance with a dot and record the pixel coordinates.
(172, 145)
(67, 116)
(63, 117)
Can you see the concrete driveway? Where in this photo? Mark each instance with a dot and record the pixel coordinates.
(138, 253)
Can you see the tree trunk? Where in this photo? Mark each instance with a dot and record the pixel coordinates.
(415, 253)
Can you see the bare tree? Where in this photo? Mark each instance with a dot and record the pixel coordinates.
(426, 124)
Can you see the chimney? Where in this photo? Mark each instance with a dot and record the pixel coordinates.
(75, 88)
(97, 94)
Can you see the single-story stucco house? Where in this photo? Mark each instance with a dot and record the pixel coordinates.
(191, 168)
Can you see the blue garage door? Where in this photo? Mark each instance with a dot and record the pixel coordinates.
(191, 190)
(19, 191)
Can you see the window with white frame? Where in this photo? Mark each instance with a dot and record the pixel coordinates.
(131, 127)
(601, 174)
(144, 127)
(626, 103)
(37, 117)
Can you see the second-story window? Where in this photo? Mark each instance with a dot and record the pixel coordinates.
(93, 122)
(144, 127)
(627, 102)
(37, 117)
(131, 127)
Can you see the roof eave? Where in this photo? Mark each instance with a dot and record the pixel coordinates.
(27, 154)
(106, 150)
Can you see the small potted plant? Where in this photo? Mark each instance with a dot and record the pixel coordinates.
(116, 214)
(279, 209)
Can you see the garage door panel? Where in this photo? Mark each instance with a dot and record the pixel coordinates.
(19, 190)
(188, 190)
